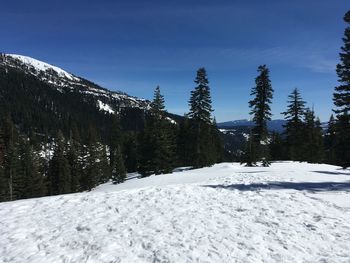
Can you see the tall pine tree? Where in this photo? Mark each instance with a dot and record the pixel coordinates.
(341, 98)
(204, 151)
(158, 140)
(261, 111)
(294, 126)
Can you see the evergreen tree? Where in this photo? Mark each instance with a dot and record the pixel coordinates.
(342, 150)
(341, 95)
(59, 170)
(294, 126)
(14, 183)
(184, 143)
(3, 181)
(249, 156)
(116, 140)
(277, 147)
(118, 172)
(74, 157)
(157, 147)
(200, 123)
(29, 169)
(200, 101)
(341, 98)
(91, 176)
(261, 111)
(130, 148)
(312, 150)
(330, 141)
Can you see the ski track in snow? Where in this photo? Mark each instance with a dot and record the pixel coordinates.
(212, 214)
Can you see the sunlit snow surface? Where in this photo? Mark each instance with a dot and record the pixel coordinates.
(289, 212)
(42, 66)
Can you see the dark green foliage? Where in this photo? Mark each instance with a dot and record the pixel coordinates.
(92, 150)
(341, 96)
(342, 149)
(312, 148)
(294, 126)
(261, 112)
(200, 101)
(249, 156)
(30, 172)
(330, 141)
(14, 184)
(157, 147)
(74, 157)
(204, 143)
(116, 138)
(118, 172)
(184, 143)
(59, 170)
(277, 147)
(130, 151)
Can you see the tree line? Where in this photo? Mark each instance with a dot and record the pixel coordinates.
(302, 139)
(37, 165)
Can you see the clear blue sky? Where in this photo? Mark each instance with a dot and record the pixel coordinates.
(135, 45)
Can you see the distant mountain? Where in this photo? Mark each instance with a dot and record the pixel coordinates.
(43, 99)
(58, 78)
(273, 125)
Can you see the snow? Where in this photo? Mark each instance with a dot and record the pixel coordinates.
(289, 212)
(42, 66)
(105, 107)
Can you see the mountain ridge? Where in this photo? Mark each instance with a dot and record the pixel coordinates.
(62, 79)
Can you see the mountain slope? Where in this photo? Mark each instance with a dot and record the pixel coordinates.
(289, 212)
(61, 79)
(42, 99)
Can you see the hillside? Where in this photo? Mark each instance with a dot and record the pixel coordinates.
(289, 212)
(43, 98)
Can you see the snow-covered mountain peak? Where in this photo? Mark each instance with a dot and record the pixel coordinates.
(37, 67)
(42, 66)
(63, 81)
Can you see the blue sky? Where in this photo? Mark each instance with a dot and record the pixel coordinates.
(135, 45)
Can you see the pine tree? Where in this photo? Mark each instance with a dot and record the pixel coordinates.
(312, 149)
(29, 168)
(116, 139)
(343, 140)
(277, 147)
(249, 156)
(14, 182)
(261, 111)
(200, 101)
(130, 148)
(74, 157)
(59, 170)
(118, 172)
(91, 176)
(330, 141)
(294, 126)
(341, 98)
(3, 181)
(200, 123)
(157, 147)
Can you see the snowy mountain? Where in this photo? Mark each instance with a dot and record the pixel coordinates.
(58, 78)
(289, 212)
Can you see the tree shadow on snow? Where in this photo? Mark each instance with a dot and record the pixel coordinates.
(300, 186)
(335, 173)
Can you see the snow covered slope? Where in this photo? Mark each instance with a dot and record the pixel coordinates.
(290, 212)
(61, 79)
